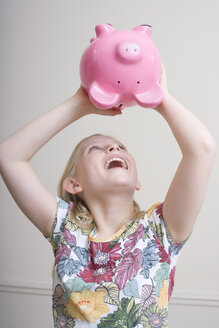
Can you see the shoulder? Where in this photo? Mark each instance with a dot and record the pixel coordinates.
(63, 209)
(157, 224)
(156, 210)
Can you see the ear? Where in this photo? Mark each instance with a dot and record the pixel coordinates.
(71, 185)
(138, 185)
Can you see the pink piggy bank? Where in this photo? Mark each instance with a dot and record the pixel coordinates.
(121, 68)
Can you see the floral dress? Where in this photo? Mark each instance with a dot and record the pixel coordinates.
(123, 281)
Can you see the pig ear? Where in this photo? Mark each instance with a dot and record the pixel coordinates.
(101, 98)
(145, 29)
(92, 39)
(150, 98)
(103, 28)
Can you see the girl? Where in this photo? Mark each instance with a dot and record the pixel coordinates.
(114, 264)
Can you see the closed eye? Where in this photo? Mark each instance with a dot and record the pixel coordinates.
(122, 147)
(94, 148)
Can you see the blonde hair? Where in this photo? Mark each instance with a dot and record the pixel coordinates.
(80, 213)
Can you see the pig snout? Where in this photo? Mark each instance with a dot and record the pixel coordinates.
(128, 51)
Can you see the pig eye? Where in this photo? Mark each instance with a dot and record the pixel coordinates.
(118, 82)
(138, 82)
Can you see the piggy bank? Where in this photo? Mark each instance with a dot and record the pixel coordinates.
(121, 68)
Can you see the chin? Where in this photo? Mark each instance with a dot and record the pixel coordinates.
(124, 185)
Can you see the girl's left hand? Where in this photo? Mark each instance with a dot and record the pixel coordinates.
(163, 79)
(163, 83)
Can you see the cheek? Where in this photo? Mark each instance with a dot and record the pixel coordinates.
(85, 173)
(134, 166)
(80, 171)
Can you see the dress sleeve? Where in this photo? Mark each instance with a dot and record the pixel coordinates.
(161, 234)
(62, 210)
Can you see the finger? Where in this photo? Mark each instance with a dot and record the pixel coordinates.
(114, 112)
(108, 111)
(163, 67)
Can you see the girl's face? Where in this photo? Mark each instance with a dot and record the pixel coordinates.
(104, 164)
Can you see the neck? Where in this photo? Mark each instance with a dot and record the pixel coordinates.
(111, 213)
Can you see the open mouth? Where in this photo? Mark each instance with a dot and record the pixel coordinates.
(116, 162)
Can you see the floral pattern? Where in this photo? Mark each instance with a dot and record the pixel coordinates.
(102, 260)
(87, 305)
(154, 317)
(124, 281)
(125, 316)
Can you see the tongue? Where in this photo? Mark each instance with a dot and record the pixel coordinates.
(115, 164)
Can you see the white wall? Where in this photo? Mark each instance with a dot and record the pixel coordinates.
(41, 45)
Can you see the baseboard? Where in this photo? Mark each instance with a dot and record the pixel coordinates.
(186, 298)
(194, 299)
(16, 287)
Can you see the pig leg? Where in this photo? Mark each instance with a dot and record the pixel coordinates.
(101, 98)
(150, 98)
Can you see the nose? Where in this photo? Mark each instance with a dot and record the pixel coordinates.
(113, 147)
(128, 51)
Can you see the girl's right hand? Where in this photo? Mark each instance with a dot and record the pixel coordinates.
(89, 108)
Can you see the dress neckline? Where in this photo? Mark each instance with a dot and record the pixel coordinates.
(92, 235)
(108, 238)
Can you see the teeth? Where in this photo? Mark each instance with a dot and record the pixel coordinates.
(115, 159)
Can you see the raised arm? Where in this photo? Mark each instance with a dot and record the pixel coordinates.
(36, 202)
(187, 191)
